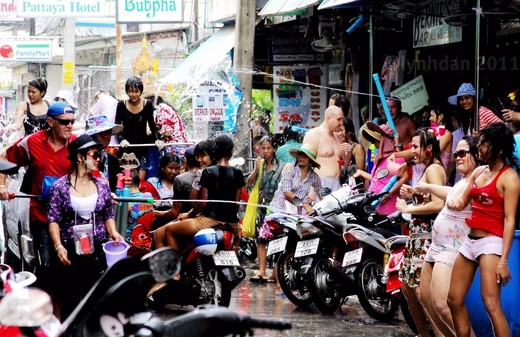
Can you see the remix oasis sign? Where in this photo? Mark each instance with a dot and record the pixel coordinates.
(149, 11)
(62, 8)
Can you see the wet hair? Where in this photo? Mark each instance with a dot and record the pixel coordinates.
(223, 147)
(134, 83)
(348, 124)
(270, 140)
(134, 176)
(341, 101)
(427, 138)
(448, 124)
(39, 83)
(502, 143)
(205, 147)
(397, 100)
(288, 134)
(167, 159)
(473, 149)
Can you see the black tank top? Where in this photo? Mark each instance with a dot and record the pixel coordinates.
(32, 123)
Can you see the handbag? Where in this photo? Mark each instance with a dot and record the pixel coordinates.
(140, 241)
(47, 183)
(249, 220)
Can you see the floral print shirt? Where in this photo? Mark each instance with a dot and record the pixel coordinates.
(170, 125)
(61, 212)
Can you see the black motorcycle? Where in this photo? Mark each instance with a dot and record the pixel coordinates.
(210, 271)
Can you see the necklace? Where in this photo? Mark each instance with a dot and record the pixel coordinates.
(83, 180)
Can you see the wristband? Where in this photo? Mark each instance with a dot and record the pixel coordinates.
(400, 146)
(58, 247)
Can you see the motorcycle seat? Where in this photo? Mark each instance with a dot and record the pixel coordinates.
(398, 243)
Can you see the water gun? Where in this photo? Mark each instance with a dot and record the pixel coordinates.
(391, 183)
(299, 129)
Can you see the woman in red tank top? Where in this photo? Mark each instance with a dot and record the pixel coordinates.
(494, 189)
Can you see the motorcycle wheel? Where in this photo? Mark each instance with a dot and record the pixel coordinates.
(215, 281)
(326, 297)
(372, 294)
(248, 249)
(287, 268)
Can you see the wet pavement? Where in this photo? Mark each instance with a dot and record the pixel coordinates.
(259, 300)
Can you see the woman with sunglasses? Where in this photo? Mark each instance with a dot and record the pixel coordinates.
(448, 231)
(78, 199)
(425, 207)
(494, 190)
(32, 115)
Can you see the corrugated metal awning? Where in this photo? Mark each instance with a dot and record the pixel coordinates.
(207, 55)
(286, 7)
(337, 3)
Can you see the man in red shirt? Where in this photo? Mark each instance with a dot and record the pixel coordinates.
(45, 154)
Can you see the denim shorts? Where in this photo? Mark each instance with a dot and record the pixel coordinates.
(487, 245)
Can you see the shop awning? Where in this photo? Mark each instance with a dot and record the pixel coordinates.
(286, 7)
(206, 56)
(345, 3)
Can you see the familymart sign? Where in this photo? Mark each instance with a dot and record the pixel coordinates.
(25, 50)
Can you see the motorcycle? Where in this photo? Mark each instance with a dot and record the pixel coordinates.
(210, 271)
(115, 307)
(351, 262)
(292, 246)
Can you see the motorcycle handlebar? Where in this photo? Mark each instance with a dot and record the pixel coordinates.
(262, 323)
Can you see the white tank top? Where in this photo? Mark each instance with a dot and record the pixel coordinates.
(84, 206)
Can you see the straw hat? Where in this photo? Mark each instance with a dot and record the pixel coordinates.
(374, 132)
(309, 150)
(466, 89)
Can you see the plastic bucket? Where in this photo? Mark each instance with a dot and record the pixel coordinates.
(114, 253)
(508, 299)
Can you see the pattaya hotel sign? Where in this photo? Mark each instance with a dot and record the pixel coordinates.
(135, 11)
(25, 50)
(62, 8)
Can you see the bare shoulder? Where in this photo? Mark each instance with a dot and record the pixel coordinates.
(435, 172)
(510, 178)
(312, 136)
(288, 167)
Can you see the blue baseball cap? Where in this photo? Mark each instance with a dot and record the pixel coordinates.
(59, 108)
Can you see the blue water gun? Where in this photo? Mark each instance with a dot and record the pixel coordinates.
(391, 183)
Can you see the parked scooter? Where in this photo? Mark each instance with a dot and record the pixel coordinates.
(115, 307)
(210, 271)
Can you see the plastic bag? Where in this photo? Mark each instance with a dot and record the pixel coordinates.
(83, 239)
(248, 223)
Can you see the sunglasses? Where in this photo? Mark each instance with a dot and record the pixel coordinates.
(64, 121)
(460, 154)
(95, 155)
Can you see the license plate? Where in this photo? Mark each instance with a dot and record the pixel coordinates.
(352, 257)
(277, 245)
(307, 247)
(226, 258)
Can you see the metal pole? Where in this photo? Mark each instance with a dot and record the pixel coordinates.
(370, 68)
(477, 64)
(69, 54)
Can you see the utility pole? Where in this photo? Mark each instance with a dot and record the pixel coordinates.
(243, 66)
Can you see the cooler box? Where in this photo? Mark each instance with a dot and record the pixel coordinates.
(510, 297)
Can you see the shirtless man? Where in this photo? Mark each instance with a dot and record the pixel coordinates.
(403, 123)
(330, 152)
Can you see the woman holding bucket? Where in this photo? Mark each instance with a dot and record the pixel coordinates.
(81, 217)
(494, 190)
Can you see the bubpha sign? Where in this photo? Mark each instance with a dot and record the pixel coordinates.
(149, 11)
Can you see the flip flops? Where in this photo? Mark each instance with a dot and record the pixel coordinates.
(271, 279)
(258, 279)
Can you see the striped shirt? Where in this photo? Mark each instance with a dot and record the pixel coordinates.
(487, 117)
(291, 182)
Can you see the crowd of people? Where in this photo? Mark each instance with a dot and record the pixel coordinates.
(460, 186)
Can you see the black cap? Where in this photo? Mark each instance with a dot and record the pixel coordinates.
(82, 143)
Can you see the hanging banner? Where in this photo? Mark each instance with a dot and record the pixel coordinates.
(431, 29)
(298, 96)
(413, 95)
